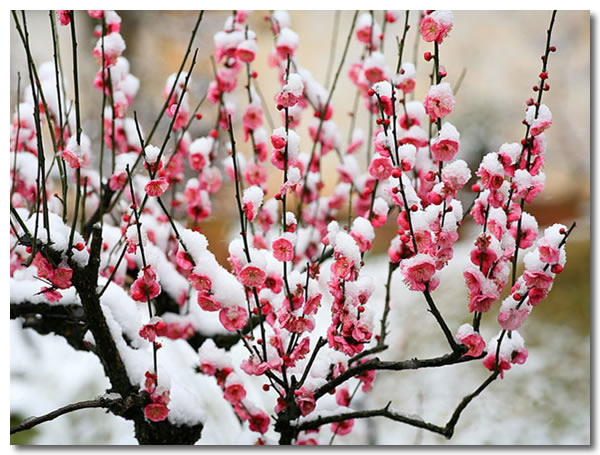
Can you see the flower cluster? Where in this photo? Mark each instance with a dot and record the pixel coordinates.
(295, 298)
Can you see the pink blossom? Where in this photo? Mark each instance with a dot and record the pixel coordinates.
(548, 252)
(274, 283)
(175, 331)
(305, 400)
(197, 160)
(520, 356)
(208, 368)
(293, 323)
(291, 92)
(539, 119)
(380, 168)
(64, 16)
(278, 142)
(207, 302)
(445, 147)
(287, 41)
(253, 366)
(528, 234)
(184, 260)
(481, 302)
(62, 278)
(157, 187)
(51, 294)
(436, 26)
(363, 34)
(418, 271)
(342, 428)
(484, 259)
(513, 318)
(250, 210)
(72, 157)
(342, 267)
(156, 412)
(246, 51)
(96, 14)
(306, 442)
(233, 318)
(537, 279)
(490, 363)
(474, 342)
(299, 351)
(536, 295)
(234, 393)
(253, 117)
(439, 101)
(200, 282)
(210, 179)
(283, 250)
(406, 80)
(255, 174)
(259, 422)
(44, 267)
(117, 181)
(342, 396)
(252, 276)
(145, 286)
(473, 279)
(150, 331)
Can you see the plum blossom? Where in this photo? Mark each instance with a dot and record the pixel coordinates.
(157, 187)
(64, 16)
(251, 201)
(283, 249)
(538, 123)
(471, 339)
(439, 101)
(436, 26)
(445, 146)
(380, 168)
(246, 51)
(233, 318)
(291, 93)
(146, 286)
(419, 272)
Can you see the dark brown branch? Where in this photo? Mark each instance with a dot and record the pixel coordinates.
(376, 364)
(31, 422)
(383, 412)
(63, 320)
(446, 431)
(85, 281)
(442, 323)
(465, 401)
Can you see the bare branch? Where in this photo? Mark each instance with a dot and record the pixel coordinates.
(102, 402)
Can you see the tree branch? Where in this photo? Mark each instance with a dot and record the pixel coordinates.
(447, 431)
(102, 402)
(64, 320)
(383, 412)
(376, 364)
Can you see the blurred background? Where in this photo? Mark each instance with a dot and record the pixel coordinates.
(545, 401)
